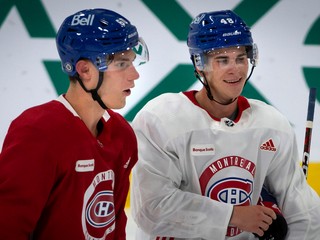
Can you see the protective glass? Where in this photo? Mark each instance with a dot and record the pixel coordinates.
(142, 53)
(224, 58)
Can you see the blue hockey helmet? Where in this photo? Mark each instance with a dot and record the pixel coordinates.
(95, 34)
(220, 29)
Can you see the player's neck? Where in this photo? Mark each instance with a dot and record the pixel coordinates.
(215, 109)
(88, 110)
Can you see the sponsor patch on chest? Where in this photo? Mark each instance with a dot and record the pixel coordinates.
(85, 165)
(203, 149)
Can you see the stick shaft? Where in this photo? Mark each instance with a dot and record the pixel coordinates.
(308, 133)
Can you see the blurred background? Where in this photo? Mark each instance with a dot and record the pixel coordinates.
(287, 33)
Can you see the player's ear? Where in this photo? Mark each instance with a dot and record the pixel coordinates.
(83, 69)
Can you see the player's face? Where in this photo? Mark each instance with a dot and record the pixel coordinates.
(118, 80)
(226, 72)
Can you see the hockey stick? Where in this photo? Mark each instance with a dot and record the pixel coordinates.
(308, 133)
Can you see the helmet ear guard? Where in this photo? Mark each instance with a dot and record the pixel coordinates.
(253, 54)
(198, 61)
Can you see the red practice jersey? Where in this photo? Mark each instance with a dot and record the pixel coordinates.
(58, 181)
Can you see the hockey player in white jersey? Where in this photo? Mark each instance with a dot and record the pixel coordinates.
(205, 156)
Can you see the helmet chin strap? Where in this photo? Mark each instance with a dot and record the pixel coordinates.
(209, 94)
(94, 92)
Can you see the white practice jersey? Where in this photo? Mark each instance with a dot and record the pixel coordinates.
(193, 168)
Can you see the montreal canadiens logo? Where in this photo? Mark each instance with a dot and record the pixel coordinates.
(235, 191)
(100, 211)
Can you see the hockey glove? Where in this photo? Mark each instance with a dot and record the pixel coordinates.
(279, 227)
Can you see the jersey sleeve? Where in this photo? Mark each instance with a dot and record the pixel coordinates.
(25, 180)
(159, 206)
(299, 203)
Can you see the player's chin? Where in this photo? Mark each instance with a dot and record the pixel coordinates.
(121, 103)
(116, 103)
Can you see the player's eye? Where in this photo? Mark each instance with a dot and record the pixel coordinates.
(122, 64)
(241, 60)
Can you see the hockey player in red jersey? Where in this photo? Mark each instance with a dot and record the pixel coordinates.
(65, 165)
(204, 156)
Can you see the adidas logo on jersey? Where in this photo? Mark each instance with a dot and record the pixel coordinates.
(268, 146)
(127, 163)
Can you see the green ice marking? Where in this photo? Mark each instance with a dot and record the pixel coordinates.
(61, 81)
(33, 15)
(252, 10)
(172, 15)
(313, 34)
(312, 74)
(38, 25)
(251, 92)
